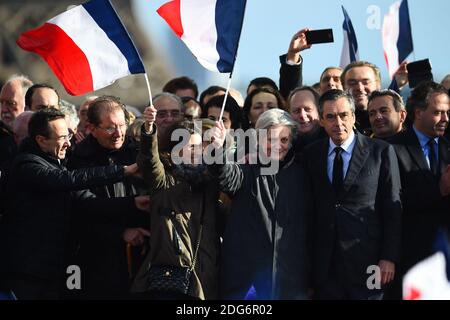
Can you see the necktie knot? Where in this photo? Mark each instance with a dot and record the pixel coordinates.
(431, 143)
(338, 151)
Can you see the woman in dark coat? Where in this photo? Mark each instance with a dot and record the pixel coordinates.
(185, 218)
(265, 248)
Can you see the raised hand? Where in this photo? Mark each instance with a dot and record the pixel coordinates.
(218, 134)
(149, 117)
(298, 43)
(401, 75)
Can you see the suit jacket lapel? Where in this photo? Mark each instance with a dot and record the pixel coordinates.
(414, 148)
(357, 161)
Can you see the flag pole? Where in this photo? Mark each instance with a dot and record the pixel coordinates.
(226, 96)
(145, 74)
(149, 89)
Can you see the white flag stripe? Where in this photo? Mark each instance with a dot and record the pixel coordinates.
(428, 279)
(200, 32)
(345, 55)
(390, 34)
(106, 61)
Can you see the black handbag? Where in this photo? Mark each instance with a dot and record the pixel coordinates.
(174, 278)
(169, 279)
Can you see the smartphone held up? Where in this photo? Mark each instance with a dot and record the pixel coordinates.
(319, 36)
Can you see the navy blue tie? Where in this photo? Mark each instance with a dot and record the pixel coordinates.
(432, 157)
(338, 170)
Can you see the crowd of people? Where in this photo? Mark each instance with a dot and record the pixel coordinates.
(361, 179)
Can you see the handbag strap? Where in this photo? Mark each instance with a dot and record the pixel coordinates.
(197, 246)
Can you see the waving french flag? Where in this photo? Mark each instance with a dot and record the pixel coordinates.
(350, 51)
(87, 47)
(210, 29)
(397, 37)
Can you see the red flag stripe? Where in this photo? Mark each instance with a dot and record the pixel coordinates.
(172, 14)
(64, 57)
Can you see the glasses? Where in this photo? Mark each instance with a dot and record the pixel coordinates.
(63, 138)
(166, 113)
(112, 130)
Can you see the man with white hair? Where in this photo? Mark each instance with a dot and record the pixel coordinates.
(12, 97)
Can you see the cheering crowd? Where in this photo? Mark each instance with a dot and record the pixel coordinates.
(329, 181)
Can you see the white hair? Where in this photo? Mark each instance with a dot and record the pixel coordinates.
(276, 117)
(24, 81)
(70, 111)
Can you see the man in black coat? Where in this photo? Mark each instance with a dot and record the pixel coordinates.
(8, 147)
(356, 187)
(102, 247)
(8, 150)
(424, 158)
(41, 196)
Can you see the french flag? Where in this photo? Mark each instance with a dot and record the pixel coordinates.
(397, 37)
(429, 279)
(350, 51)
(87, 47)
(210, 29)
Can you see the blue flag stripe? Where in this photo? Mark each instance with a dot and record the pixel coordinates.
(229, 20)
(352, 41)
(104, 15)
(404, 42)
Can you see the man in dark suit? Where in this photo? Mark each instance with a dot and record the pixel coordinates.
(356, 225)
(42, 201)
(424, 157)
(387, 114)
